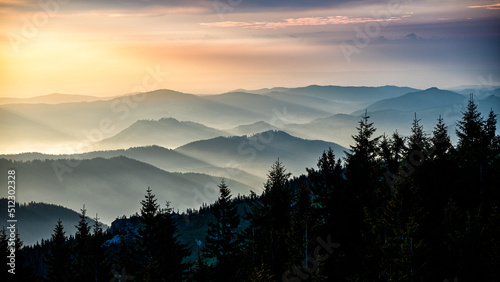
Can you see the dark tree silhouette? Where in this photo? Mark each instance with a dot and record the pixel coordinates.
(160, 253)
(222, 239)
(83, 265)
(58, 259)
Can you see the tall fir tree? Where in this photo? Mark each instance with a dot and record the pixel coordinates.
(276, 200)
(364, 176)
(100, 263)
(222, 238)
(440, 140)
(471, 155)
(83, 265)
(161, 255)
(58, 259)
(333, 211)
(470, 132)
(418, 140)
(267, 235)
(301, 226)
(362, 169)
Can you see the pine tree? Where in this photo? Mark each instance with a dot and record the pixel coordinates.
(418, 140)
(170, 253)
(490, 129)
(202, 272)
(160, 253)
(100, 265)
(250, 249)
(221, 240)
(124, 259)
(83, 266)
(149, 212)
(470, 131)
(398, 147)
(277, 201)
(471, 155)
(267, 236)
(58, 260)
(301, 225)
(333, 212)
(440, 140)
(362, 170)
(364, 175)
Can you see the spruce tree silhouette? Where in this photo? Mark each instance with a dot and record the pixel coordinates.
(222, 240)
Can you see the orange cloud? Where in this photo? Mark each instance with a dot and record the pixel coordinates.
(310, 21)
(488, 7)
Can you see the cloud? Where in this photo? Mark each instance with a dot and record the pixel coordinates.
(183, 6)
(487, 7)
(310, 21)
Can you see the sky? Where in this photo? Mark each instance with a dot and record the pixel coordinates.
(109, 48)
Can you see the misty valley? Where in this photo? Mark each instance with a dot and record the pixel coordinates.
(319, 183)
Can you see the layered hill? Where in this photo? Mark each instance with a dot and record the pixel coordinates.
(111, 187)
(256, 153)
(36, 221)
(166, 132)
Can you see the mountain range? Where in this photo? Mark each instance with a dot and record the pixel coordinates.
(111, 182)
(105, 152)
(166, 132)
(37, 220)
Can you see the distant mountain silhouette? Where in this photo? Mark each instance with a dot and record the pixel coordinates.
(37, 220)
(256, 153)
(342, 93)
(82, 124)
(111, 187)
(267, 107)
(90, 122)
(251, 129)
(160, 157)
(490, 102)
(335, 99)
(417, 101)
(336, 128)
(54, 98)
(166, 132)
(28, 132)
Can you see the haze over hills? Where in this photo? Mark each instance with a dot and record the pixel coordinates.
(245, 159)
(80, 126)
(394, 114)
(110, 187)
(37, 220)
(335, 99)
(256, 153)
(251, 129)
(54, 98)
(235, 135)
(90, 122)
(417, 101)
(163, 158)
(166, 132)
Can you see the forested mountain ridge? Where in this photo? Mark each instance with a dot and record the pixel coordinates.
(397, 208)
